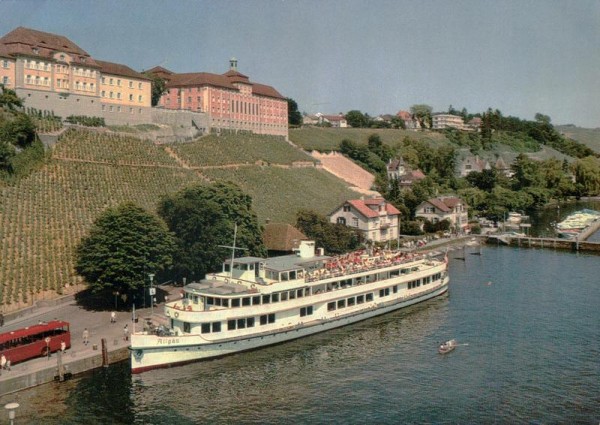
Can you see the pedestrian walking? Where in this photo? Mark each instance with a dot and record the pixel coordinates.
(86, 336)
(113, 317)
(3, 361)
(126, 333)
(63, 346)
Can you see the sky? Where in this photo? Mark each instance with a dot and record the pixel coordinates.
(378, 56)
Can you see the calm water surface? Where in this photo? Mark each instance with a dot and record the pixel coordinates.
(528, 321)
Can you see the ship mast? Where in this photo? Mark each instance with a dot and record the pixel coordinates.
(233, 248)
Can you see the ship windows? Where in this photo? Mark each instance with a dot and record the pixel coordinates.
(284, 296)
(207, 328)
(250, 322)
(331, 306)
(275, 298)
(384, 292)
(241, 323)
(210, 301)
(292, 295)
(369, 297)
(360, 299)
(341, 303)
(267, 318)
(306, 311)
(246, 301)
(266, 299)
(231, 325)
(395, 289)
(256, 300)
(235, 302)
(300, 293)
(351, 301)
(186, 327)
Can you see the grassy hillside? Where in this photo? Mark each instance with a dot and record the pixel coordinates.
(328, 139)
(44, 216)
(588, 136)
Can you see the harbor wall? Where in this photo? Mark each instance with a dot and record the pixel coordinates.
(72, 365)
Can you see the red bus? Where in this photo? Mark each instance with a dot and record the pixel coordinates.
(34, 341)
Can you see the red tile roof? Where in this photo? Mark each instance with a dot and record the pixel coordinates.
(194, 79)
(362, 206)
(118, 69)
(22, 42)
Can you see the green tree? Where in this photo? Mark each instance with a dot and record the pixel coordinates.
(158, 87)
(294, 116)
(587, 176)
(202, 217)
(357, 119)
(19, 131)
(333, 237)
(9, 98)
(422, 113)
(124, 244)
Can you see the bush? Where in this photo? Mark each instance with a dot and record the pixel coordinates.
(86, 121)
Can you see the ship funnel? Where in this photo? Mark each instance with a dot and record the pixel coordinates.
(307, 249)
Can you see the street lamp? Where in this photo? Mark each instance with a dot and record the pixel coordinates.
(12, 407)
(152, 293)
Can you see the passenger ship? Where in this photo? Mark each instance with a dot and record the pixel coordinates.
(254, 302)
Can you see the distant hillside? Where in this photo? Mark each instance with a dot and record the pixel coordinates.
(43, 216)
(327, 139)
(588, 136)
(505, 144)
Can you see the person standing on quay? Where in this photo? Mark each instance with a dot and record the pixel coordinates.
(126, 333)
(113, 317)
(86, 336)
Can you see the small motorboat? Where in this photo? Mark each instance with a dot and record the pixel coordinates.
(447, 346)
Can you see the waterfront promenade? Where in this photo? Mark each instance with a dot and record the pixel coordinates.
(79, 358)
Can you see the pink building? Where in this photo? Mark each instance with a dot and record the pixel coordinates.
(230, 100)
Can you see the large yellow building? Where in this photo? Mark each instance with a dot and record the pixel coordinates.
(52, 73)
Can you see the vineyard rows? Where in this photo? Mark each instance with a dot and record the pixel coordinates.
(278, 193)
(235, 149)
(44, 216)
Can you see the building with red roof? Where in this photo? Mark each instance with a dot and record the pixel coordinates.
(375, 218)
(52, 73)
(231, 101)
(449, 208)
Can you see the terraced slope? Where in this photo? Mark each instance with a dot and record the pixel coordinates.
(44, 216)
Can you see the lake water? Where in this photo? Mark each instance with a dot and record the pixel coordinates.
(527, 321)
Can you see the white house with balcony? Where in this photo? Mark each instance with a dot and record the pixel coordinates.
(375, 218)
(448, 208)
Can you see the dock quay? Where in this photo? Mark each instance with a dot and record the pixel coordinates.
(106, 346)
(551, 243)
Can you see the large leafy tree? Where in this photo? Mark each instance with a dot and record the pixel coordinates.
(203, 217)
(335, 238)
(124, 244)
(158, 85)
(357, 119)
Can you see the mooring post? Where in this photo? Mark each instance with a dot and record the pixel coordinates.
(59, 366)
(104, 353)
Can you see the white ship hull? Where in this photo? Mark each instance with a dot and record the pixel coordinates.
(152, 352)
